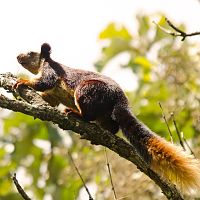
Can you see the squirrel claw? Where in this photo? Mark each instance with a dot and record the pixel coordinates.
(69, 111)
(19, 83)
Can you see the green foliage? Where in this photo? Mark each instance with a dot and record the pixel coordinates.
(38, 150)
(114, 31)
(119, 41)
(167, 71)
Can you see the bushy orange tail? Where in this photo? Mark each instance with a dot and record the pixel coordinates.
(172, 163)
(168, 160)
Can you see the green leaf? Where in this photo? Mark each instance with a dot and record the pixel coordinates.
(5, 185)
(11, 196)
(116, 46)
(143, 62)
(114, 30)
(56, 165)
(160, 34)
(143, 22)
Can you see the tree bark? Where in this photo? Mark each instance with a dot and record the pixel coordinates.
(32, 104)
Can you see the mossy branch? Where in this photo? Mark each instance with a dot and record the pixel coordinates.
(33, 105)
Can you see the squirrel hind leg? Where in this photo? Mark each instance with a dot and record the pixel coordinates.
(93, 99)
(107, 123)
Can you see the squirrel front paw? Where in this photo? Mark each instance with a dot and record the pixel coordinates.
(20, 82)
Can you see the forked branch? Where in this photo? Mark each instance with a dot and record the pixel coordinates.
(177, 32)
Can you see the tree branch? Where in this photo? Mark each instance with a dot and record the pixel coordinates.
(36, 107)
(178, 32)
(19, 188)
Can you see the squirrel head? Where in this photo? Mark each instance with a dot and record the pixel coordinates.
(45, 51)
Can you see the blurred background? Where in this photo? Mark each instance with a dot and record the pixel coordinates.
(118, 39)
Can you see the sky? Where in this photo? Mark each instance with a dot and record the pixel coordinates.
(72, 28)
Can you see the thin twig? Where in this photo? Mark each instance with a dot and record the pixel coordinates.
(178, 132)
(178, 32)
(19, 188)
(110, 175)
(163, 115)
(192, 152)
(164, 29)
(87, 190)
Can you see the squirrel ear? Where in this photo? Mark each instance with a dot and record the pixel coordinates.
(45, 50)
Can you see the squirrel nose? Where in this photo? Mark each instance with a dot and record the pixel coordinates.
(19, 58)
